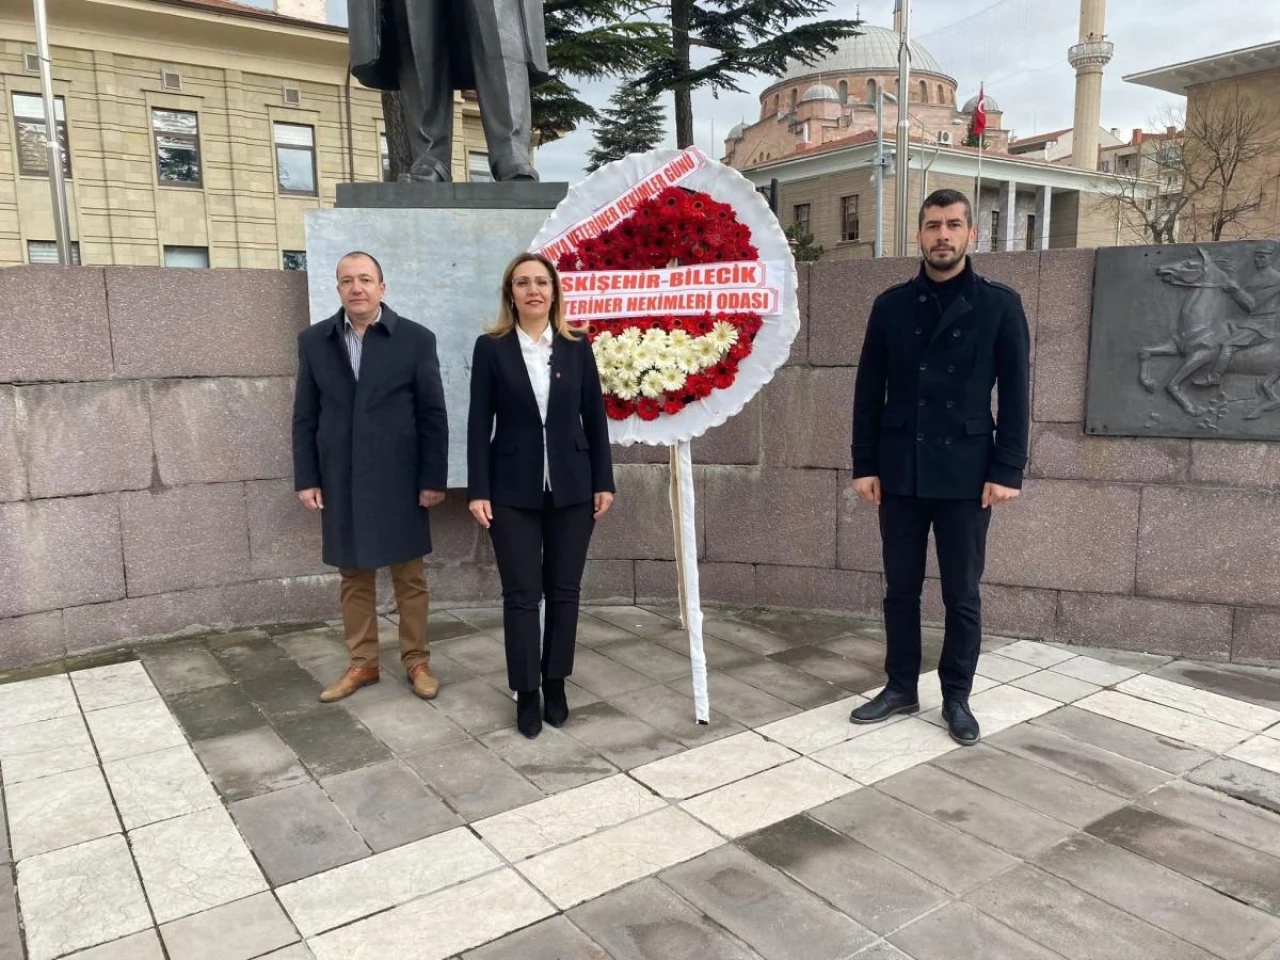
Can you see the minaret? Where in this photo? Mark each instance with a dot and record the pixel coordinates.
(1089, 56)
(897, 17)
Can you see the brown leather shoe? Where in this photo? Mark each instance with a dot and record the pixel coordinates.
(424, 684)
(349, 683)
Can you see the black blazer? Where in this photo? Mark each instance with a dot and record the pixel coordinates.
(922, 417)
(505, 461)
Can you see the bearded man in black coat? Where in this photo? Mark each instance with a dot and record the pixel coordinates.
(370, 453)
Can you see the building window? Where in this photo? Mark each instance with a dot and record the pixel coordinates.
(802, 218)
(33, 147)
(177, 136)
(296, 159)
(795, 98)
(46, 251)
(1031, 231)
(942, 94)
(186, 256)
(995, 229)
(294, 259)
(844, 91)
(478, 168)
(849, 218)
(871, 91)
(385, 153)
(924, 92)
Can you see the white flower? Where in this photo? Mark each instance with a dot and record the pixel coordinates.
(679, 338)
(655, 338)
(628, 387)
(629, 338)
(651, 385)
(706, 352)
(723, 335)
(645, 356)
(672, 380)
(627, 365)
(686, 358)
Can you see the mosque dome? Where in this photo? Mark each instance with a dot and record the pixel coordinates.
(819, 91)
(971, 105)
(737, 132)
(875, 50)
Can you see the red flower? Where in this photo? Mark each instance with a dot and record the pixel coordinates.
(672, 407)
(648, 408)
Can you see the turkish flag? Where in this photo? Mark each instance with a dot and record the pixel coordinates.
(980, 114)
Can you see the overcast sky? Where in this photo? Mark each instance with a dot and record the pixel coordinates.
(1023, 64)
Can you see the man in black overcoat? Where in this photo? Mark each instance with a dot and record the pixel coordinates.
(426, 49)
(929, 453)
(370, 452)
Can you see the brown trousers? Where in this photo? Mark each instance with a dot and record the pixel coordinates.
(360, 614)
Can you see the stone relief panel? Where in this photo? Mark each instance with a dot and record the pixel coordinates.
(1185, 341)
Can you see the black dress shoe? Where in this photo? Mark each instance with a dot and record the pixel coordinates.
(556, 708)
(885, 704)
(528, 713)
(960, 722)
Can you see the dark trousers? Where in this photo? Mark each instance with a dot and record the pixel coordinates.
(960, 534)
(541, 554)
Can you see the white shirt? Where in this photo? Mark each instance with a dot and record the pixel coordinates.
(537, 360)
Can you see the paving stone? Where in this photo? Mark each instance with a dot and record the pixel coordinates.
(133, 729)
(388, 805)
(237, 931)
(1164, 720)
(247, 657)
(881, 951)
(552, 762)
(649, 658)
(959, 932)
(605, 677)
(476, 706)
(183, 668)
(1161, 897)
(671, 714)
(297, 832)
(215, 712)
(742, 702)
(288, 693)
(28, 752)
(406, 724)
(554, 938)
(719, 653)
(1081, 760)
(472, 779)
(774, 915)
(140, 946)
(1212, 811)
(1228, 867)
(619, 738)
(10, 929)
(712, 765)
(1204, 704)
(787, 683)
(825, 665)
(1040, 788)
(817, 729)
(478, 652)
(646, 921)
(887, 749)
(331, 741)
(593, 632)
(159, 786)
(1114, 736)
(748, 636)
(1257, 685)
(250, 764)
(1056, 686)
(951, 859)
(59, 811)
(1241, 780)
(37, 700)
(1073, 923)
(768, 797)
(859, 882)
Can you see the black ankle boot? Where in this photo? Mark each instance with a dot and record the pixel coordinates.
(556, 710)
(528, 713)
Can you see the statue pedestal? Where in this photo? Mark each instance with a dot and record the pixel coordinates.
(443, 249)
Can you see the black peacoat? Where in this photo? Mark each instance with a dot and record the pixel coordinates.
(505, 430)
(922, 419)
(370, 445)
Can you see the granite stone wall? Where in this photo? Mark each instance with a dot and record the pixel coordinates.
(145, 484)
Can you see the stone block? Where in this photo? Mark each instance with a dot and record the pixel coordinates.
(730, 583)
(59, 553)
(36, 638)
(86, 438)
(809, 412)
(467, 584)
(220, 430)
(841, 293)
(1062, 451)
(455, 535)
(1256, 636)
(769, 516)
(205, 323)
(1066, 535)
(833, 591)
(800, 346)
(185, 538)
(296, 600)
(609, 581)
(1209, 545)
(13, 467)
(638, 526)
(1147, 626)
(1013, 611)
(736, 441)
(1062, 334)
(858, 543)
(640, 453)
(54, 325)
(284, 537)
(1235, 463)
(1020, 270)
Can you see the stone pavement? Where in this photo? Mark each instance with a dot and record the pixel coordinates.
(195, 801)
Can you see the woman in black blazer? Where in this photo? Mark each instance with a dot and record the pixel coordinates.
(539, 475)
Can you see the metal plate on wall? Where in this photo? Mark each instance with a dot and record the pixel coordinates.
(1185, 341)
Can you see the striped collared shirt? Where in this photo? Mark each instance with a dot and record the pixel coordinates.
(355, 344)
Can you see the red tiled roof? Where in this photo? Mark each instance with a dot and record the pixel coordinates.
(1040, 138)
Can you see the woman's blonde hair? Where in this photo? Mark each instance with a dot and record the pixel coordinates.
(507, 317)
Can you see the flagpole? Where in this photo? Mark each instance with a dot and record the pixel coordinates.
(977, 180)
